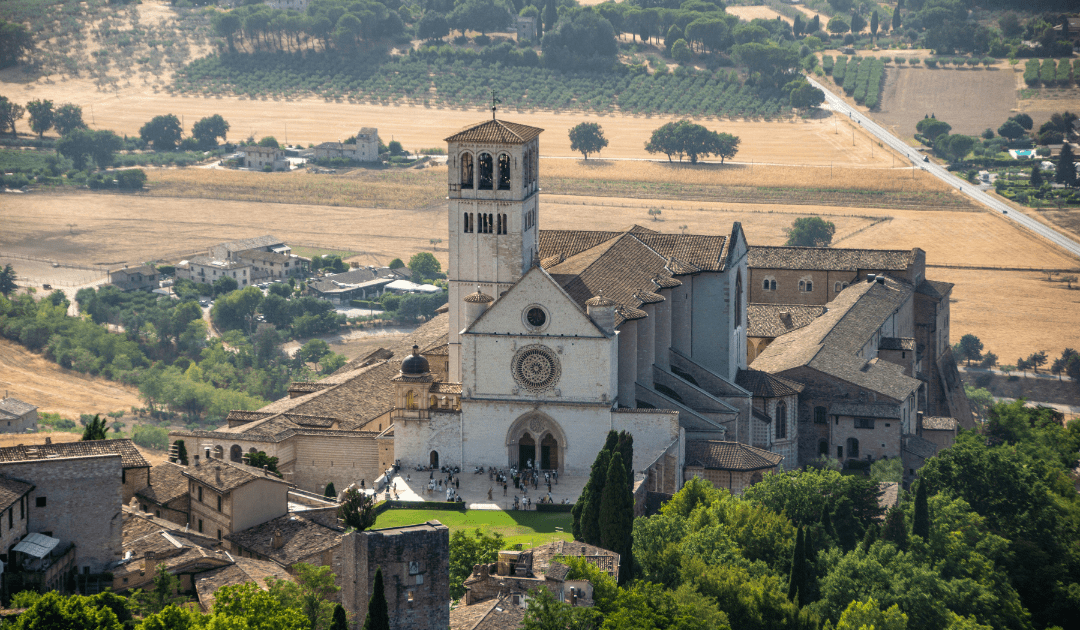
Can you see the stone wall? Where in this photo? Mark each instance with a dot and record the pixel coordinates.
(338, 459)
(13, 526)
(415, 563)
(826, 286)
(78, 500)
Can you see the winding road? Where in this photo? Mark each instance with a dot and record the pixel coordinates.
(837, 104)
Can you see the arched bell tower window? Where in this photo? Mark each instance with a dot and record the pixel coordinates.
(738, 300)
(466, 170)
(486, 172)
(526, 168)
(504, 171)
(410, 400)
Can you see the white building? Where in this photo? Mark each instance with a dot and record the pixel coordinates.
(207, 270)
(259, 158)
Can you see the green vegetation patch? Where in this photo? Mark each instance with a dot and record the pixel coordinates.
(516, 527)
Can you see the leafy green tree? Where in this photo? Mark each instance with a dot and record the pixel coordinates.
(7, 280)
(174, 618)
(468, 550)
(897, 20)
(920, 522)
(68, 118)
(969, 348)
(259, 459)
(806, 96)
(1011, 129)
(378, 615)
(80, 144)
(15, 42)
(313, 351)
(858, 22)
(544, 612)
(888, 469)
(181, 453)
(873, 25)
(357, 509)
(587, 137)
(330, 492)
(838, 26)
(432, 26)
(163, 594)
(424, 265)
(848, 528)
(41, 116)
(9, 113)
(53, 611)
(1024, 120)
(208, 130)
(895, 528)
(680, 51)
(269, 141)
(810, 232)
(868, 615)
(95, 430)
(616, 518)
(226, 24)
(769, 65)
(591, 497)
(1066, 168)
(163, 132)
(311, 593)
(251, 608)
(584, 42)
(932, 128)
(1036, 175)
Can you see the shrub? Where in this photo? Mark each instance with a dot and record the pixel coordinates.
(150, 436)
(131, 179)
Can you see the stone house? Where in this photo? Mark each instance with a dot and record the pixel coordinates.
(415, 563)
(166, 494)
(14, 525)
(134, 278)
(207, 270)
(774, 422)
(816, 275)
(525, 28)
(272, 265)
(261, 158)
(290, 540)
(228, 497)
(17, 416)
(731, 465)
(500, 613)
(943, 394)
(364, 149)
(134, 470)
(266, 243)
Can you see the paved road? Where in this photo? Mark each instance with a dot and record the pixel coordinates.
(837, 104)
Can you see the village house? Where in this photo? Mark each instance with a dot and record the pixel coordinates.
(730, 465)
(14, 525)
(364, 149)
(264, 158)
(267, 243)
(166, 494)
(207, 270)
(292, 539)
(134, 278)
(17, 416)
(272, 265)
(228, 497)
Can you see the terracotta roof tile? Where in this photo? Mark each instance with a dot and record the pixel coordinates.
(718, 455)
(500, 131)
(826, 258)
(897, 343)
(919, 446)
(242, 571)
(232, 475)
(300, 538)
(15, 406)
(167, 482)
(490, 614)
(765, 385)
(773, 320)
(11, 490)
(130, 456)
(934, 288)
(884, 411)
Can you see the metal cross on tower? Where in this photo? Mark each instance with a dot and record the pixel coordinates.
(494, 101)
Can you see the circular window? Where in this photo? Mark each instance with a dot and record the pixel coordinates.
(535, 317)
(536, 368)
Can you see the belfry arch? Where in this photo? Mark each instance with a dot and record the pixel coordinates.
(539, 435)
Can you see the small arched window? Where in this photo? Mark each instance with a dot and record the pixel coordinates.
(410, 399)
(781, 421)
(486, 172)
(526, 169)
(466, 170)
(504, 171)
(467, 225)
(806, 285)
(836, 287)
(433, 402)
(738, 300)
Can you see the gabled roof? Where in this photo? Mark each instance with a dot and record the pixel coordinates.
(145, 270)
(242, 571)
(831, 259)
(919, 446)
(130, 457)
(11, 490)
(832, 343)
(232, 475)
(300, 538)
(773, 320)
(498, 613)
(251, 243)
(935, 288)
(765, 385)
(498, 131)
(167, 482)
(16, 407)
(735, 456)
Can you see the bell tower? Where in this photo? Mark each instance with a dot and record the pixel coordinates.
(493, 172)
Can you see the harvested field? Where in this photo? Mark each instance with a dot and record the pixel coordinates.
(969, 100)
(30, 377)
(1045, 102)
(753, 12)
(314, 121)
(1013, 313)
(1065, 219)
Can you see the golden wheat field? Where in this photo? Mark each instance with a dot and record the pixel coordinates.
(754, 12)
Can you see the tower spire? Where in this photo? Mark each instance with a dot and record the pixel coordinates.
(494, 101)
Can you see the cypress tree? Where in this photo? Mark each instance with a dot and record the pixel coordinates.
(590, 512)
(1036, 175)
(810, 582)
(826, 524)
(340, 620)
(797, 580)
(378, 614)
(920, 522)
(870, 538)
(95, 429)
(616, 522)
(330, 492)
(626, 449)
(596, 480)
(181, 453)
(895, 529)
(846, 525)
(612, 441)
(1066, 169)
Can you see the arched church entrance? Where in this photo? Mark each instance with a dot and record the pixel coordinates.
(434, 459)
(536, 437)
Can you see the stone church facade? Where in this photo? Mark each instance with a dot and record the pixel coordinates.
(552, 338)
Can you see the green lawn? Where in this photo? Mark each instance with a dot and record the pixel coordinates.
(517, 527)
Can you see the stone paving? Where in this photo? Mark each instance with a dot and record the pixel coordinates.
(411, 485)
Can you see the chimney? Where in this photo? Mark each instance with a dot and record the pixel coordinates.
(880, 279)
(196, 460)
(48, 440)
(266, 470)
(602, 311)
(870, 277)
(277, 542)
(918, 422)
(149, 565)
(785, 319)
(217, 475)
(573, 596)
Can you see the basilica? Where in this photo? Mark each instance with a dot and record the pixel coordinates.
(552, 338)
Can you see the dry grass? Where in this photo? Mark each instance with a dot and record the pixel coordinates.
(753, 12)
(399, 188)
(30, 377)
(31, 439)
(819, 141)
(822, 177)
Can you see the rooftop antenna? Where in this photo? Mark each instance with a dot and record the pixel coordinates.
(494, 100)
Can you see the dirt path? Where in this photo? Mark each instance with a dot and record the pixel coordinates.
(36, 380)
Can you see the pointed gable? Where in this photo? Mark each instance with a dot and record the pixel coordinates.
(536, 288)
(497, 131)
